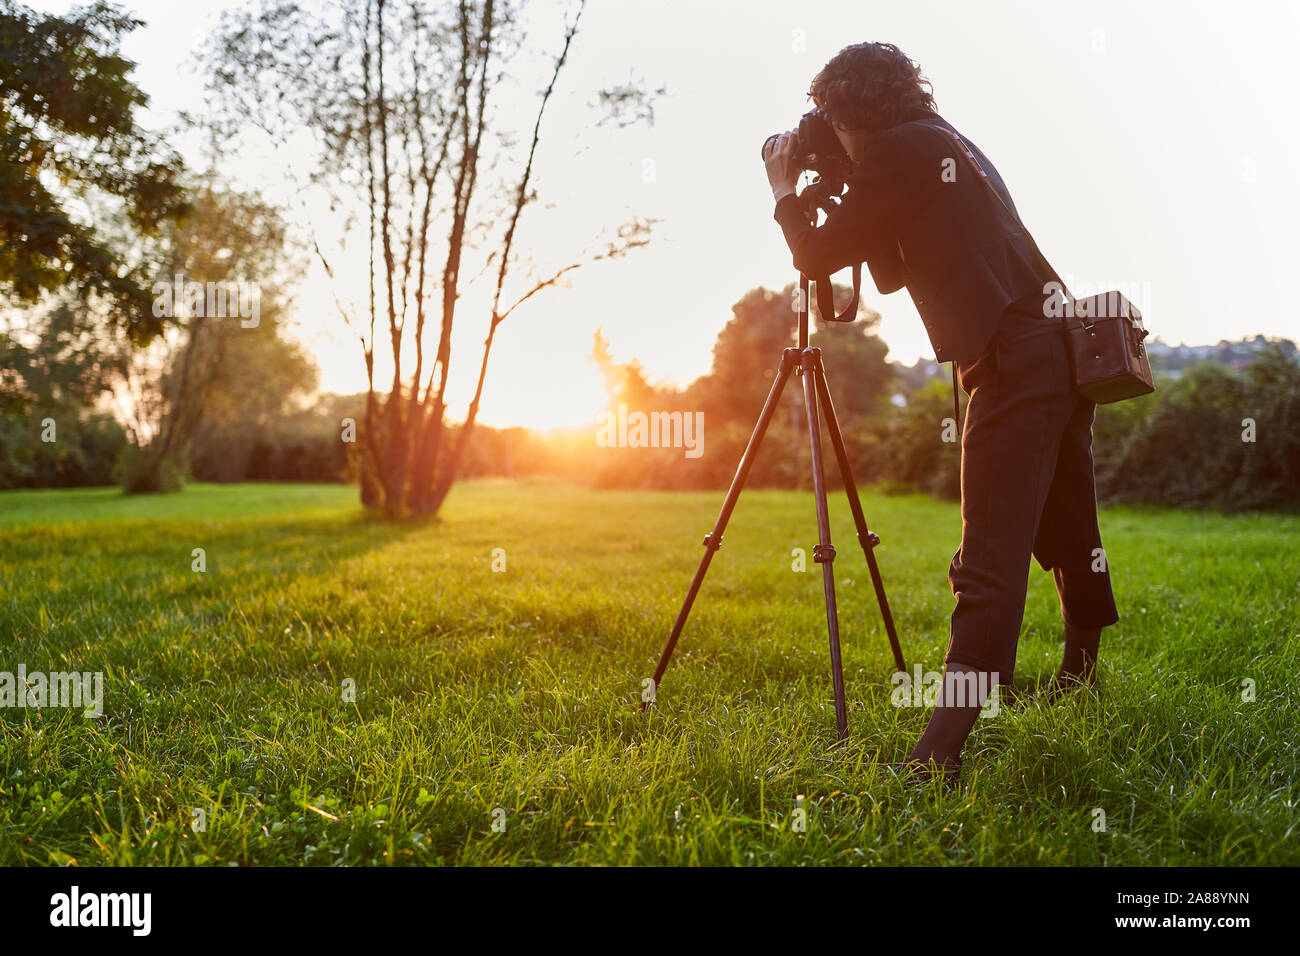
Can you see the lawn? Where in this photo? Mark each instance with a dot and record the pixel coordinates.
(333, 690)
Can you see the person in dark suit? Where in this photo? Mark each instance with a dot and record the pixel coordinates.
(919, 214)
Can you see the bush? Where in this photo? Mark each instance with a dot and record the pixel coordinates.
(84, 454)
(1190, 444)
(907, 447)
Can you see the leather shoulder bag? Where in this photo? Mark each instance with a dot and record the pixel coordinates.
(1103, 332)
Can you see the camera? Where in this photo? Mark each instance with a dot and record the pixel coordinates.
(818, 150)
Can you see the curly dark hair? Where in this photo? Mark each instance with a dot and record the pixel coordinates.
(871, 86)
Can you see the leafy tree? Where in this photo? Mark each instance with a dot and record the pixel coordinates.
(56, 366)
(626, 383)
(252, 403)
(747, 356)
(56, 358)
(860, 378)
(404, 104)
(216, 373)
(68, 135)
(746, 359)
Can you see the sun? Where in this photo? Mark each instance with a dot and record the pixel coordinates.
(543, 397)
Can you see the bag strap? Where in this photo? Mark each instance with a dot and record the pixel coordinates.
(956, 409)
(1085, 321)
(974, 163)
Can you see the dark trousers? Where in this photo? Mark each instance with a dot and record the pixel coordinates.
(1026, 490)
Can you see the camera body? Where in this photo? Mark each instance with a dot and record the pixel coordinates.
(818, 150)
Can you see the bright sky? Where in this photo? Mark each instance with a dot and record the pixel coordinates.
(1150, 146)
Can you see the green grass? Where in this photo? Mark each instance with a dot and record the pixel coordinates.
(478, 690)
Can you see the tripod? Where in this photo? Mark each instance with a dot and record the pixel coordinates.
(808, 362)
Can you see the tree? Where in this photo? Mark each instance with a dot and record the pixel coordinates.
(264, 378)
(404, 103)
(747, 356)
(222, 359)
(746, 359)
(68, 133)
(57, 363)
(860, 378)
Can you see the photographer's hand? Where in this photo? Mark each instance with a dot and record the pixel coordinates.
(782, 173)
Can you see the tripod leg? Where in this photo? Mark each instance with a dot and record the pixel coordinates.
(866, 538)
(713, 540)
(824, 552)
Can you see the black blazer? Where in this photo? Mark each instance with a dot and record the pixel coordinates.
(918, 215)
